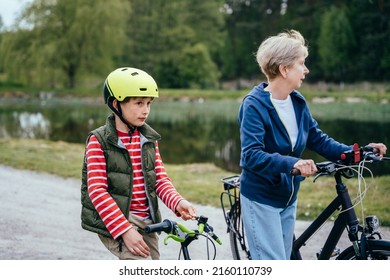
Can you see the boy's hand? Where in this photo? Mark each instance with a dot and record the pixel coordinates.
(186, 210)
(135, 243)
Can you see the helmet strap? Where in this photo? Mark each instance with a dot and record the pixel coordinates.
(118, 112)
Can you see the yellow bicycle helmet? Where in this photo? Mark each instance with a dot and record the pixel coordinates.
(129, 82)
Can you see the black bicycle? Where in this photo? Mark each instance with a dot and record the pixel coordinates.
(366, 239)
(185, 236)
(231, 207)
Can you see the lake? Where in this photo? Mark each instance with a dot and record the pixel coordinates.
(192, 130)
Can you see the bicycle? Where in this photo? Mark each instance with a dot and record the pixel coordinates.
(367, 242)
(233, 219)
(185, 236)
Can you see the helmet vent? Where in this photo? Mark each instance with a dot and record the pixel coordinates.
(143, 89)
(134, 74)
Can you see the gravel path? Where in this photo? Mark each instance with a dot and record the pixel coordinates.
(40, 220)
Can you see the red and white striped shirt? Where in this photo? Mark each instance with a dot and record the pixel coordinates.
(113, 218)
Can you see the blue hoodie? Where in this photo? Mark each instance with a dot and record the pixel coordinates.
(267, 155)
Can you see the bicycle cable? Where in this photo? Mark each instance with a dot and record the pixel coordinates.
(353, 168)
(359, 169)
(208, 240)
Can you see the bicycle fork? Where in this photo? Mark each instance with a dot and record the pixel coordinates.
(350, 215)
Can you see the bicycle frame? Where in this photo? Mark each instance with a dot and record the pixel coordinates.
(346, 219)
(230, 185)
(184, 246)
(233, 218)
(364, 243)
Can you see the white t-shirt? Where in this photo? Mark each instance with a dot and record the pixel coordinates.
(286, 113)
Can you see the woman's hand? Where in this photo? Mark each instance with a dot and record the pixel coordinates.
(381, 148)
(306, 167)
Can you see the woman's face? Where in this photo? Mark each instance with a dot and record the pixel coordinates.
(297, 72)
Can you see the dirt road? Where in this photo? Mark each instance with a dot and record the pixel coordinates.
(40, 220)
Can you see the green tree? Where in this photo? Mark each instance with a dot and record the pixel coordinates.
(190, 43)
(335, 42)
(371, 24)
(305, 16)
(162, 32)
(58, 41)
(248, 23)
(385, 61)
(196, 68)
(1, 40)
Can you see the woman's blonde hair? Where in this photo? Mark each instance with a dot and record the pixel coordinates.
(282, 49)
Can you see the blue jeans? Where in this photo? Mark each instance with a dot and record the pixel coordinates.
(269, 230)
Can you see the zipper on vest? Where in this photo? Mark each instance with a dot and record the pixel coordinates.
(131, 131)
(120, 244)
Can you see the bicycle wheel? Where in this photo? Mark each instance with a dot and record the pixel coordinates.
(238, 243)
(376, 250)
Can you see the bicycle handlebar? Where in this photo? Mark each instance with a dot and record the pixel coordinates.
(179, 232)
(166, 226)
(351, 157)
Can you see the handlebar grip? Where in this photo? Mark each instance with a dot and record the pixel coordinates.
(369, 148)
(295, 172)
(165, 226)
(372, 153)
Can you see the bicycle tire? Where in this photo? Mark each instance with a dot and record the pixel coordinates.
(238, 243)
(376, 250)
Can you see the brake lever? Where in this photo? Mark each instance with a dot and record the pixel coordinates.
(319, 175)
(372, 157)
(209, 230)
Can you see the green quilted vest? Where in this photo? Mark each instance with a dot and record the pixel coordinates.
(120, 175)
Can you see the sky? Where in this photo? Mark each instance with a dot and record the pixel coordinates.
(9, 9)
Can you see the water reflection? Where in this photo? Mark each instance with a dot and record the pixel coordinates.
(32, 125)
(25, 125)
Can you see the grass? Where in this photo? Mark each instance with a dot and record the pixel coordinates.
(199, 183)
(365, 111)
(58, 158)
(370, 92)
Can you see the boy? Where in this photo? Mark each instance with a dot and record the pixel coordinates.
(123, 174)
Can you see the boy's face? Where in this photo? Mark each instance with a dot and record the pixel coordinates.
(136, 110)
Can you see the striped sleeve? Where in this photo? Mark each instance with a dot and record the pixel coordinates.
(164, 187)
(109, 212)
